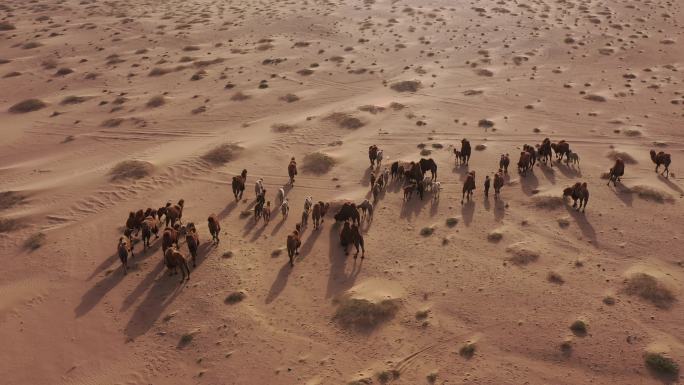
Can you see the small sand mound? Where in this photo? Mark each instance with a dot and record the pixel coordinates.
(522, 254)
(653, 194)
(406, 86)
(650, 289)
(548, 202)
(222, 154)
(362, 314)
(596, 98)
(156, 101)
(627, 158)
(282, 127)
(318, 163)
(289, 98)
(9, 199)
(7, 225)
(6, 26)
(345, 120)
(131, 169)
(372, 109)
(28, 105)
(73, 100)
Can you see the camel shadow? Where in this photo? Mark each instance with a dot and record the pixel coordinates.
(259, 230)
(529, 183)
(467, 211)
(625, 195)
(307, 246)
(278, 226)
(338, 279)
(670, 184)
(462, 170)
(434, 205)
(548, 172)
(584, 225)
(99, 290)
(499, 209)
(227, 210)
(365, 179)
(412, 207)
(280, 282)
(569, 172)
(141, 287)
(109, 261)
(486, 203)
(159, 296)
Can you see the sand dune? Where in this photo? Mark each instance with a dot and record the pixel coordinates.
(112, 107)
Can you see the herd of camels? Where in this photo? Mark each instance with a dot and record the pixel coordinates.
(145, 223)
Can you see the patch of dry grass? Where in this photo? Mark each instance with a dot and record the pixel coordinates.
(6, 26)
(9, 199)
(235, 297)
(406, 86)
(627, 158)
(131, 169)
(362, 314)
(156, 101)
(222, 154)
(345, 120)
(28, 105)
(8, 224)
(318, 163)
(35, 241)
(521, 254)
(650, 289)
(282, 127)
(289, 98)
(73, 100)
(239, 96)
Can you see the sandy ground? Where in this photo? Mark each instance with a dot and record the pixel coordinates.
(165, 82)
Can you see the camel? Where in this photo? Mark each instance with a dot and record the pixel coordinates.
(533, 154)
(266, 212)
(192, 239)
(174, 260)
(572, 157)
(408, 191)
(350, 235)
(238, 186)
(525, 162)
(617, 171)
(661, 158)
(545, 151)
(372, 154)
(414, 172)
(348, 212)
(372, 180)
(134, 221)
(561, 148)
(436, 188)
(376, 192)
(293, 244)
(498, 183)
(258, 187)
(305, 217)
(385, 177)
(428, 165)
(394, 170)
(318, 212)
(174, 213)
(285, 208)
(504, 162)
(465, 151)
(366, 210)
(124, 248)
(458, 159)
(170, 237)
(149, 226)
(162, 210)
(258, 211)
(281, 196)
(578, 192)
(308, 202)
(214, 227)
(468, 186)
(378, 158)
(292, 170)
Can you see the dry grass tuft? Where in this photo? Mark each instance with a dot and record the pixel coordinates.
(521, 254)
(318, 163)
(282, 127)
(235, 297)
(661, 364)
(361, 314)
(648, 288)
(73, 100)
(28, 105)
(345, 120)
(627, 158)
(35, 241)
(222, 154)
(131, 169)
(239, 96)
(7, 225)
(9, 199)
(156, 101)
(467, 350)
(406, 86)
(6, 26)
(289, 98)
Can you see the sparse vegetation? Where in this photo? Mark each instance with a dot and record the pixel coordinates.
(427, 231)
(9, 199)
(290, 98)
(422, 314)
(467, 350)
(432, 378)
(222, 154)
(185, 340)
(345, 120)
(452, 221)
(495, 236)
(554, 277)
(387, 375)
(318, 163)
(579, 327)
(156, 101)
(8, 224)
(661, 364)
(648, 288)
(131, 169)
(73, 100)
(239, 96)
(626, 157)
(521, 254)
(35, 241)
(235, 297)
(282, 127)
(28, 105)
(363, 314)
(406, 86)
(6, 26)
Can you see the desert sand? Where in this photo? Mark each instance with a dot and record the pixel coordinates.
(517, 290)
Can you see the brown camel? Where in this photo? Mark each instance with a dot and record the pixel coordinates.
(504, 161)
(124, 248)
(292, 170)
(662, 158)
(465, 151)
(192, 239)
(174, 213)
(293, 244)
(149, 226)
(616, 172)
(578, 192)
(468, 186)
(318, 212)
(214, 227)
(525, 162)
(545, 151)
(174, 260)
(561, 149)
(348, 212)
(372, 154)
(498, 184)
(350, 235)
(238, 186)
(170, 237)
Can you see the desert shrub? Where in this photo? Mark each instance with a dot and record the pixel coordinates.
(28, 105)
(290, 98)
(9, 199)
(345, 120)
(156, 101)
(648, 288)
(452, 221)
(131, 169)
(579, 327)
(35, 241)
(6, 26)
(661, 364)
(427, 231)
(467, 350)
(239, 96)
(73, 100)
(521, 254)
(235, 297)
(626, 157)
(222, 154)
(554, 277)
(8, 224)
(318, 163)
(282, 127)
(406, 86)
(363, 314)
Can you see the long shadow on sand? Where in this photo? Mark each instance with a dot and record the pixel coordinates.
(98, 291)
(280, 282)
(529, 182)
(467, 211)
(548, 172)
(338, 279)
(584, 225)
(227, 210)
(413, 206)
(163, 291)
(624, 193)
(670, 184)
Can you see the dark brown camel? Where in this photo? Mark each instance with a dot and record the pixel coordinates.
(292, 170)
(214, 227)
(428, 165)
(561, 149)
(348, 212)
(372, 154)
(662, 158)
(174, 213)
(498, 184)
(149, 226)
(192, 239)
(616, 172)
(578, 192)
(293, 244)
(350, 235)
(170, 237)
(174, 260)
(318, 213)
(124, 248)
(545, 151)
(465, 151)
(504, 161)
(525, 162)
(468, 186)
